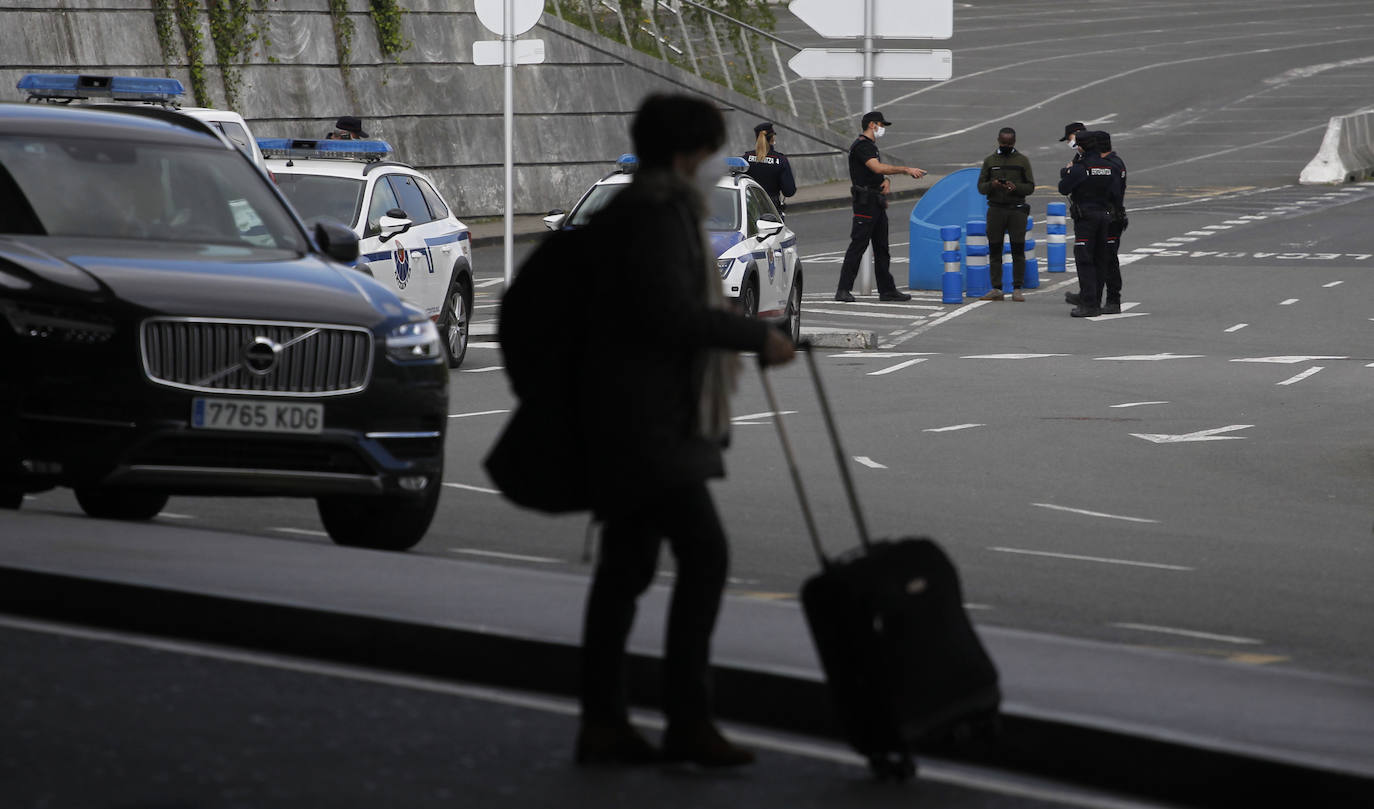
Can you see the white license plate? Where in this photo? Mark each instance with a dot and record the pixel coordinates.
(256, 416)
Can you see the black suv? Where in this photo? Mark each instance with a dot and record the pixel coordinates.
(169, 326)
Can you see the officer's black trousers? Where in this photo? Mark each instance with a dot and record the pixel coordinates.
(1091, 254)
(686, 517)
(1111, 275)
(1010, 222)
(870, 226)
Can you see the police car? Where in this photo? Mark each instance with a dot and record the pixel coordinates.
(409, 239)
(131, 92)
(755, 251)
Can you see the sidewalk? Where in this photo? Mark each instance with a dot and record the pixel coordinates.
(1156, 724)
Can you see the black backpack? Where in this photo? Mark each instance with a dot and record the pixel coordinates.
(540, 459)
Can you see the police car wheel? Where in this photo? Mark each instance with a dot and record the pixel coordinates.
(454, 322)
(109, 503)
(794, 315)
(749, 297)
(382, 523)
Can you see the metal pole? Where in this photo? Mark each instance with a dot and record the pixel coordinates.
(786, 82)
(749, 57)
(591, 16)
(624, 29)
(866, 268)
(658, 32)
(508, 46)
(711, 29)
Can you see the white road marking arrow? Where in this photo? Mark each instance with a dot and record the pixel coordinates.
(1200, 435)
(1152, 357)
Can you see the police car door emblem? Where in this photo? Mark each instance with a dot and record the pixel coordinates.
(402, 262)
(260, 356)
(772, 265)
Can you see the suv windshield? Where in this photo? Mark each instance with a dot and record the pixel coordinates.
(723, 213)
(316, 196)
(132, 190)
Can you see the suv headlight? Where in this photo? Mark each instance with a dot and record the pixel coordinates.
(56, 323)
(417, 340)
(724, 265)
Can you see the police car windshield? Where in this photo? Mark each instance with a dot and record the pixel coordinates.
(316, 196)
(722, 213)
(66, 186)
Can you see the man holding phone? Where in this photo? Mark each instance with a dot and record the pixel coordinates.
(1006, 180)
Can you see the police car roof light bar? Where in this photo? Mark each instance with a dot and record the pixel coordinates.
(737, 165)
(69, 86)
(627, 163)
(366, 151)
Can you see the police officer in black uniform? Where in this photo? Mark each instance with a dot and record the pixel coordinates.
(769, 167)
(1096, 188)
(1111, 278)
(869, 190)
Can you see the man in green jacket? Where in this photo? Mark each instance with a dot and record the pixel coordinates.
(1006, 181)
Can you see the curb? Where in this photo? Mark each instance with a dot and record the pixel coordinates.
(840, 338)
(1161, 769)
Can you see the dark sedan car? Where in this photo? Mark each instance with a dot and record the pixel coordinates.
(168, 326)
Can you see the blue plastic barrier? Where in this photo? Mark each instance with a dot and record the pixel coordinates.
(1056, 229)
(977, 277)
(952, 201)
(952, 280)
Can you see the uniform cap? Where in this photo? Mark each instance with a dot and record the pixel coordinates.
(766, 126)
(870, 117)
(1069, 129)
(1090, 140)
(350, 123)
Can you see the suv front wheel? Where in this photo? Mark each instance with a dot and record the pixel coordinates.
(390, 522)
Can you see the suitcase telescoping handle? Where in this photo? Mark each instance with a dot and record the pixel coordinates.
(806, 348)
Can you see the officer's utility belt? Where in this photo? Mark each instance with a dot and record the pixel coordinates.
(865, 197)
(1077, 211)
(1014, 206)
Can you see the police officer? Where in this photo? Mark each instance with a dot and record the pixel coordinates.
(1070, 133)
(1095, 186)
(769, 167)
(1111, 278)
(1006, 180)
(869, 188)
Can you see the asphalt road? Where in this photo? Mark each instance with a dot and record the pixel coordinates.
(1037, 447)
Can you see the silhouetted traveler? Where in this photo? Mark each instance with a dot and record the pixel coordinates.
(657, 376)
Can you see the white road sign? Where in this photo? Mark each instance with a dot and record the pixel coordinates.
(524, 15)
(892, 19)
(847, 63)
(492, 52)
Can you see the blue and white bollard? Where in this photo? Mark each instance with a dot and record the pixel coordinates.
(952, 281)
(1032, 263)
(1056, 231)
(979, 280)
(1008, 283)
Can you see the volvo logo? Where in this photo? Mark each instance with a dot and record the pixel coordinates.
(260, 356)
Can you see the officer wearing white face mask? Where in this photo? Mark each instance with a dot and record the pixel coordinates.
(1071, 135)
(869, 187)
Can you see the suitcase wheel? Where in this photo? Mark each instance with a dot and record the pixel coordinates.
(899, 767)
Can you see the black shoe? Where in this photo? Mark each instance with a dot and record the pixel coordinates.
(1084, 311)
(613, 744)
(1110, 308)
(701, 743)
(1072, 298)
(843, 296)
(894, 295)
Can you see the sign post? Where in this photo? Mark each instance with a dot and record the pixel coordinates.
(865, 20)
(509, 18)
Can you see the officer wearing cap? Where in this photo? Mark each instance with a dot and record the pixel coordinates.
(348, 127)
(1096, 187)
(1070, 132)
(869, 187)
(769, 167)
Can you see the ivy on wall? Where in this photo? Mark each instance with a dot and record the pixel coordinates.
(343, 32)
(235, 25)
(386, 14)
(187, 16)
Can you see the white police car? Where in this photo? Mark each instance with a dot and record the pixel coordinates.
(133, 92)
(755, 251)
(409, 239)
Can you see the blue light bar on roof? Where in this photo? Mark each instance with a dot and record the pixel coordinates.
(627, 163)
(737, 165)
(367, 151)
(118, 88)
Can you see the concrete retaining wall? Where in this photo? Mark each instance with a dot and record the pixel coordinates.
(441, 113)
(1347, 152)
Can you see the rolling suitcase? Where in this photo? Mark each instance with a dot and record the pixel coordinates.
(902, 661)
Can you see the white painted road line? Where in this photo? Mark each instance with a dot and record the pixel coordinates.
(483, 370)
(848, 308)
(886, 355)
(1332, 284)
(1201, 435)
(1290, 360)
(168, 515)
(1237, 327)
(1101, 559)
(305, 532)
(490, 282)
(1289, 302)
(478, 413)
(1010, 356)
(1092, 513)
(466, 487)
(952, 428)
(899, 366)
(852, 313)
(1151, 357)
(925, 327)
(1300, 377)
(1136, 404)
(515, 557)
(869, 462)
(1188, 633)
(767, 414)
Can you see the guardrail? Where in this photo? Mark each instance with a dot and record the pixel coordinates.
(714, 46)
(1347, 151)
